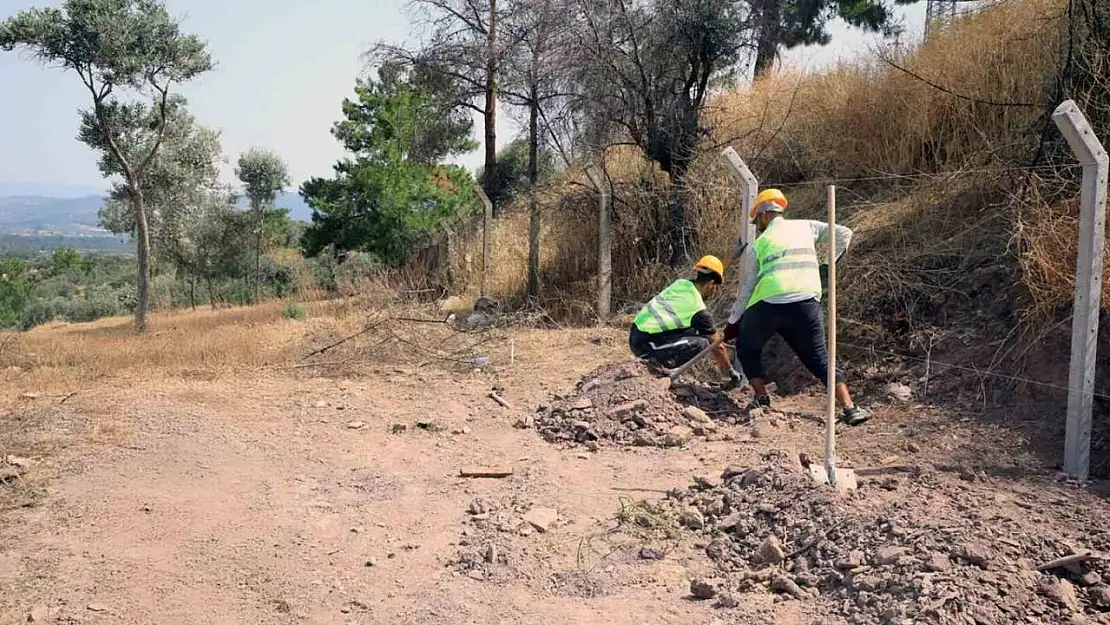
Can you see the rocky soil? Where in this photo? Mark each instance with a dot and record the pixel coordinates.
(924, 553)
(627, 406)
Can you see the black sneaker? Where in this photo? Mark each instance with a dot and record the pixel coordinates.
(854, 415)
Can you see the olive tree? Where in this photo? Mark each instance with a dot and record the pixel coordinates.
(129, 54)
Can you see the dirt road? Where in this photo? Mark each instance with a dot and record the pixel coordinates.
(289, 497)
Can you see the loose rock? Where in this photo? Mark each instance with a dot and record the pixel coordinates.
(543, 519)
(623, 405)
(770, 552)
(702, 589)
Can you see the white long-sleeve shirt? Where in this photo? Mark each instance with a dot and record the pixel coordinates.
(748, 259)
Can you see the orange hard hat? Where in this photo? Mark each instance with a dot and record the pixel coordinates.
(711, 263)
(772, 196)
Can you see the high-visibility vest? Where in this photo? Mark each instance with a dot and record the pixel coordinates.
(673, 309)
(787, 261)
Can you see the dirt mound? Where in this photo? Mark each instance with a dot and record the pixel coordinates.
(627, 405)
(923, 555)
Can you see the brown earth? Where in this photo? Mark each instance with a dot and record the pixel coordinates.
(290, 496)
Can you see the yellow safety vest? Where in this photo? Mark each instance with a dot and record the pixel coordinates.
(787, 261)
(673, 309)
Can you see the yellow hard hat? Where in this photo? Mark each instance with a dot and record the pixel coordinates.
(711, 263)
(773, 196)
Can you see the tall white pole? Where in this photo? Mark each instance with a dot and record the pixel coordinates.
(830, 418)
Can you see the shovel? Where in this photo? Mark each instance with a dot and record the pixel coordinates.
(844, 479)
(674, 374)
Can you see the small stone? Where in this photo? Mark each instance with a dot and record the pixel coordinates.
(975, 554)
(758, 431)
(785, 585)
(770, 552)
(398, 428)
(97, 607)
(18, 461)
(650, 553)
(321, 404)
(727, 601)
(623, 411)
(703, 589)
(39, 614)
(898, 391)
(356, 425)
(692, 519)
(1061, 591)
(678, 436)
(543, 519)
(937, 563)
(478, 506)
(1100, 596)
(582, 403)
(890, 555)
(706, 482)
(912, 447)
(1090, 578)
(853, 560)
(695, 414)
(732, 471)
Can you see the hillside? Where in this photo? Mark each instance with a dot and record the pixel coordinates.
(78, 216)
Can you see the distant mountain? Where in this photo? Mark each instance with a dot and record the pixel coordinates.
(38, 214)
(298, 210)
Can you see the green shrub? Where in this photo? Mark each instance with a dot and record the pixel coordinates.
(293, 310)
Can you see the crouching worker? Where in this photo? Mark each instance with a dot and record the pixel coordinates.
(782, 296)
(675, 325)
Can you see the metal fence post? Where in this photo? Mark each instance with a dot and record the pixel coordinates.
(1088, 284)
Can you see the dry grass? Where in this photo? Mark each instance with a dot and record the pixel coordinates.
(890, 140)
(60, 357)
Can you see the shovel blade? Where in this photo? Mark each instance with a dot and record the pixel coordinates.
(845, 478)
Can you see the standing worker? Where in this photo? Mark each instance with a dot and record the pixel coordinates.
(782, 296)
(675, 325)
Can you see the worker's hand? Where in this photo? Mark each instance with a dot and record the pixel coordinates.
(732, 331)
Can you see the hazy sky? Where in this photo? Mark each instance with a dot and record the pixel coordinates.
(283, 68)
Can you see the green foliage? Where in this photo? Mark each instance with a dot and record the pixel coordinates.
(512, 169)
(65, 258)
(390, 191)
(13, 290)
(263, 175)
(400, 117)
(293, 310)
(117, 46)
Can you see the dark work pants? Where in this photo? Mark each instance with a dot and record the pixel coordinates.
(669, 349)
(800, 325)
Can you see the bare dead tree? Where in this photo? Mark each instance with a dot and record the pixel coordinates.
(645, 69)
(532, 81)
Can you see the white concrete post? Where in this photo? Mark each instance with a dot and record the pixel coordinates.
(487, 237)
(604, 244)
(830, 417)
(1088, 284)
(749, 188)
